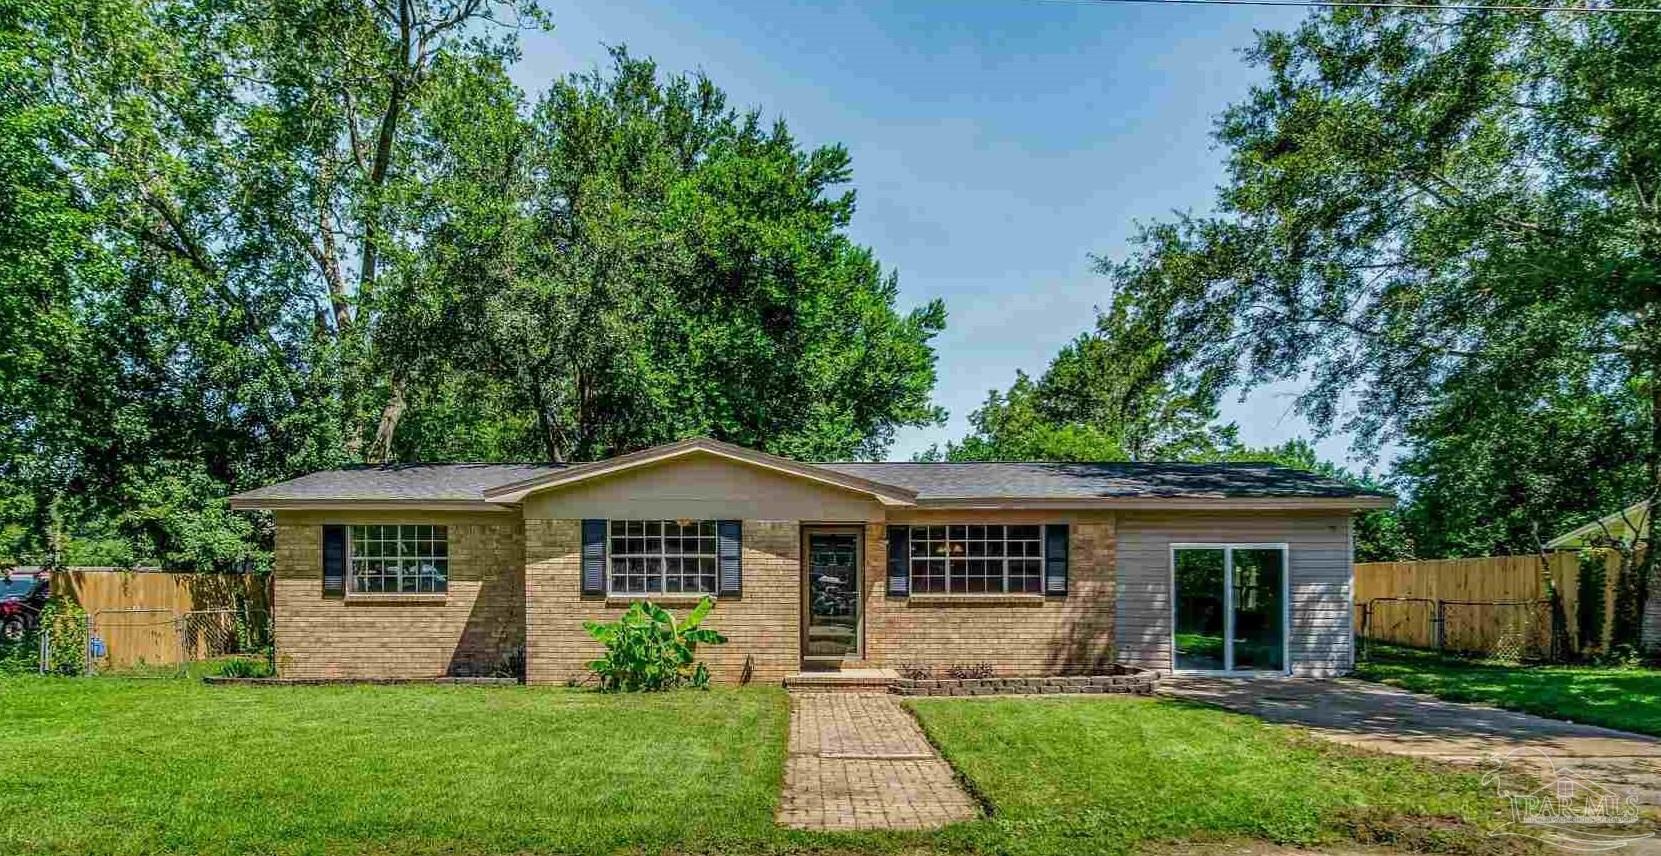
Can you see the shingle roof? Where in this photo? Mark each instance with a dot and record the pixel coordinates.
(931, 481)
(399, 482)
(1100, 480)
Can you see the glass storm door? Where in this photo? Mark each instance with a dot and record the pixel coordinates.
(832, 595)
(1230, 611)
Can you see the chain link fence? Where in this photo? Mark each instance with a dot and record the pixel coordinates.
(1508, 630)
(147, 642)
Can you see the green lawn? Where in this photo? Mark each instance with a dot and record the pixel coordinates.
(1112, 774)
(1624, 698)
(123, 766)
(109, 765)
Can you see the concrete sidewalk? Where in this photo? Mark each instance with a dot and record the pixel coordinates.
(1386, 719)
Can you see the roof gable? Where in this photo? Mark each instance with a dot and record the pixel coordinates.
(1626, 523)
(887, 494)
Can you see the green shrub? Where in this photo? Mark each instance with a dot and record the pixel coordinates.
(243, 667)
(66, 626)
(21, 657)
(647, 650)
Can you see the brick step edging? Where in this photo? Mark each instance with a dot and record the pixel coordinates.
(1138, 682)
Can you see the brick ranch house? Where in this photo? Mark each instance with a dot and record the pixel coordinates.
(429, 570)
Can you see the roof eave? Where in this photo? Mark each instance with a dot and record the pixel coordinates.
(255, 503)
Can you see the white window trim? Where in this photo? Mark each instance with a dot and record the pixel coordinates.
(1228, 548)
(352, 590)
(1043, 563)
(613, 594)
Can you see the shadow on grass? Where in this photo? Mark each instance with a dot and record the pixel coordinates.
(1624, 698)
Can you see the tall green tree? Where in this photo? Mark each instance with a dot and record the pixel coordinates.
(663, 266)
(202, 171)
(1452, 216)
(241, 241)
(1119, 392)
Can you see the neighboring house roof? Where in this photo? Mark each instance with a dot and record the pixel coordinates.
(1014, 483)
(1619, 525)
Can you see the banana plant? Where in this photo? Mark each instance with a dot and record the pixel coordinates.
(647, 650)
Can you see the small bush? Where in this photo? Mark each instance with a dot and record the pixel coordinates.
(970, 671)
(510, 665)
(647, 650)
(916, 671)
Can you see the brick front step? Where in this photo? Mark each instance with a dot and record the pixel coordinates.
(845, 680)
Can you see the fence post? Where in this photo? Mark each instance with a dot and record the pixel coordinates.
(1366, 629)
(1439, 624)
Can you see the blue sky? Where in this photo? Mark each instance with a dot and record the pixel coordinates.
(996, 145)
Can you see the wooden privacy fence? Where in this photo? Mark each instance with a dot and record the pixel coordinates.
(154, 618)
(1494, 605)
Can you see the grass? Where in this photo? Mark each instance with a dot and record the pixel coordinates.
(1117, 774)
(123, 766)
(1627, 698)
(109, 765)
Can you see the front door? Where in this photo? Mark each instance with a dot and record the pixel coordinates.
(831, 611)
(1230, 613)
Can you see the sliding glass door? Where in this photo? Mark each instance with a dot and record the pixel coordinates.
(1202, 609)
(1230, 610)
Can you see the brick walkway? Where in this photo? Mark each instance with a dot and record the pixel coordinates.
(857, 761)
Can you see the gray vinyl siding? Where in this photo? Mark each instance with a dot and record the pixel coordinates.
(1318, 546)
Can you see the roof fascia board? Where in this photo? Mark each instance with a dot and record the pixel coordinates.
(243, 503)
(887, 494)
(1156, 503)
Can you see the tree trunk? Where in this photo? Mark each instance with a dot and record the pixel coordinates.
(545, 421)
(1649, 633)
(380, 451)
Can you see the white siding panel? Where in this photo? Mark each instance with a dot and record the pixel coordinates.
(1318, 544)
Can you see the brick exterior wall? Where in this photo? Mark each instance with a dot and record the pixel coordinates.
(761, 625)
(468, 632)
(1020, 635)
(517, 584)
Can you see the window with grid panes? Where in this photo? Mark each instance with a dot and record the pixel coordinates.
(662, 556)
(400, 559)
(977, 559)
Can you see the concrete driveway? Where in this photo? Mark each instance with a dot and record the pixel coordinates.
(1386, 719)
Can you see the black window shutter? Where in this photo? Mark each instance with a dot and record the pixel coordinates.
(899, 561)
(1055, 558)
(729, 545)
(334, 561)
(594, 557)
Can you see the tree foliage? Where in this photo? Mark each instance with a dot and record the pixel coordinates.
(1118, 394)
(679, 268)
(1453, 217)
(240, 241)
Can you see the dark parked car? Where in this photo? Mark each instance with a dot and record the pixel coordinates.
(22, 597)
